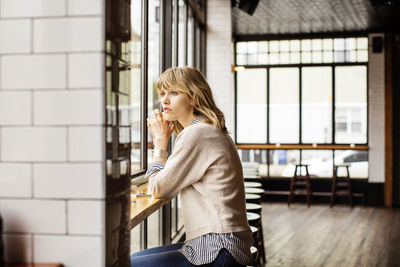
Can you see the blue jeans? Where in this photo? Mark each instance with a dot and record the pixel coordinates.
(169, 256)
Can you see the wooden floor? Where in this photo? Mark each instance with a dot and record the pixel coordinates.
(338, 236)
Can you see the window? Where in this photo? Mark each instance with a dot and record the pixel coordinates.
(305, 93)
(135, 56)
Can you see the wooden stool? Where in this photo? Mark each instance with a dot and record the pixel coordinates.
(300, 184)
(253, 184)
(253, 198)
(341, 185)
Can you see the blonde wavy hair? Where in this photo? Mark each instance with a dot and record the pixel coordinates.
(192, 82)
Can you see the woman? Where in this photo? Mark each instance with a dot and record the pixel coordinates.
(205, 169)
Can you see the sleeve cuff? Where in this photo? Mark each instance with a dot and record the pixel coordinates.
(154, 167)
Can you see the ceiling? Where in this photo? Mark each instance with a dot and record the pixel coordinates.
(285, 17)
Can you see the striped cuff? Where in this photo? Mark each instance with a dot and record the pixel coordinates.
(154, 167)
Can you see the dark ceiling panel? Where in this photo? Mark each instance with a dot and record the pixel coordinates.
(275, 17)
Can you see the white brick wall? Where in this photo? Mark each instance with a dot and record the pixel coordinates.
(376, 123)
(219, 58)
(51, 131)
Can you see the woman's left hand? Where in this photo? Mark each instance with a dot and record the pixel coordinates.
(160, 129)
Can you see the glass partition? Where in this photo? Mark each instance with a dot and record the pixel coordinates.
(284, 105)
(316, 108)
(351, 104)
(252, 106)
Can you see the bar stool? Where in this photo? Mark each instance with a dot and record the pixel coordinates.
(254, 220)
(254, 190)
(300, 184)
(341, 185)
(251, 178)
(255, 208)
(253, 184)
(259, 239)
(253, 198)
(254, 256)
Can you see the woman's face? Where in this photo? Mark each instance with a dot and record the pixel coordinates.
(176, 105)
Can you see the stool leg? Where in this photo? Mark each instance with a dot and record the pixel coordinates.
(333, 186)
(349, 187)
(292, 182)
(261, 239)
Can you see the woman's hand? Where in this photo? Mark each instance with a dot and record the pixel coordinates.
(160, 129)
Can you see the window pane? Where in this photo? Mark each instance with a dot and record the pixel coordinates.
(351, 104)
(153, 62)
(181, 35)
(190, 33)
(316, 44)
(135, 239)
(284, 105)
(362, 43)
(362, 56)
(284, 46)
(316, 105)
(295, 45)
(327, 44)
(274, 46)
(295, 58)
(241, 47)
(153, 226)
(132, 116)
(358, 160)
(252, 106)
(306, 57)
(284, 58)
(306, 45)
(282, 162)
(319, 161)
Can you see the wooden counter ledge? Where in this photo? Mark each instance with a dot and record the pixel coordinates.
(144, 207)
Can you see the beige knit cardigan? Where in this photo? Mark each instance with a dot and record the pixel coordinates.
(205, 168)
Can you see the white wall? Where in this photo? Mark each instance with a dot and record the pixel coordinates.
(51, 131)
(219, 58)
(376, 113)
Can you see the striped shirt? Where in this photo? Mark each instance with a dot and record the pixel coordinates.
(205, 249)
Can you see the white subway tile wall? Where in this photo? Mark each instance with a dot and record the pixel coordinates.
(30, 144)
(86, 7)
(32, 8)
(72, 251)
(376, 114)
(68, 35)
(15, 108)
(86, 144)
(15, 36)
(68, 180)
(84, 70)
(18, 248)
(219, 58)
(77, 107)
(52, 184)
(85, 217)
(15, 180)
(33, 72)
(33, 216)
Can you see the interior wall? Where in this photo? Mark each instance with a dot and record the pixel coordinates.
(219, 58)
(376, 113)
(51, 131)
